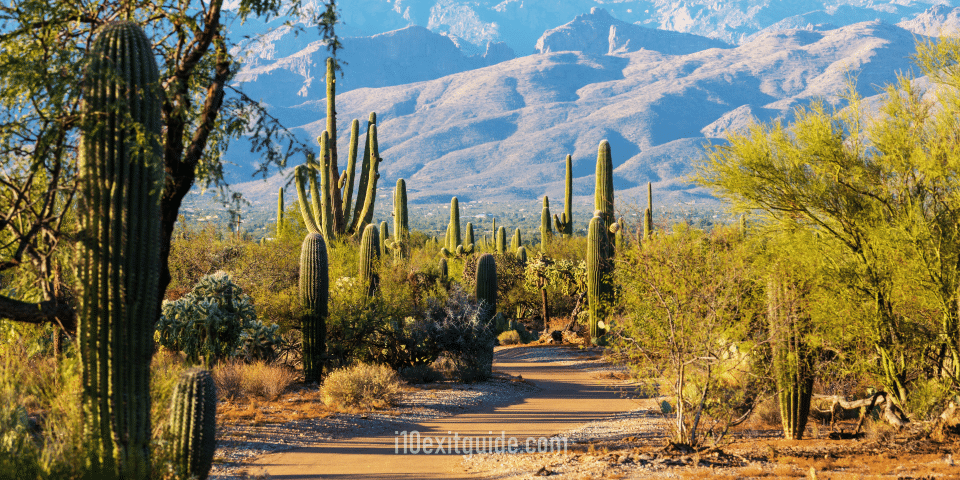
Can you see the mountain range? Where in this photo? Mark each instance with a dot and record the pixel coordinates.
(482, 123)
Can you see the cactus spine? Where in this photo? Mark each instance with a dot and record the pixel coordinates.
(369, 257)
(599, 281)
(501, 240)
(603, 194)
(565, 223)
(314, 296)
(193, 419)
(545, 231)
(486, 289)
(120, 180)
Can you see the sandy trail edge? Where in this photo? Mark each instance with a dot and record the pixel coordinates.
(568, 396)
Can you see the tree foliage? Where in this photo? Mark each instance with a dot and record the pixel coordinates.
(880, 188)
(41, 78)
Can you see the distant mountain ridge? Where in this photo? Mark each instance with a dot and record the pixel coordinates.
(490, 125)
(501, 132)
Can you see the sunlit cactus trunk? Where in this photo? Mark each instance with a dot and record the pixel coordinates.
(193, 421)
(793, 359)
(369, 259)
(564, 223)
(599, 273)
(119, 186)
(314, 296)
(486, 285)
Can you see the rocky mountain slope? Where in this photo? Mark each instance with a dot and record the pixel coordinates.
(503, 131)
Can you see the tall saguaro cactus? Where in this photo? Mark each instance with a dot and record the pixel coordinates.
(120, 180)
(401, 229)
(517, 241)
(486, 284)
(648, 213)
(453, 244)
(603, 194)
(193, 419)
(599, 281)
(280, 212)
(314, 296)
(793, 360)
(501, 240)
(565, 223)
(369, 257)
(545, 231)
(325, 212)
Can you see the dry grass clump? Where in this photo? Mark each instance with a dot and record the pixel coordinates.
(362, 386)
(235, 379)
(510, 337)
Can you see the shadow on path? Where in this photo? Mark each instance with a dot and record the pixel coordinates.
(568, 396)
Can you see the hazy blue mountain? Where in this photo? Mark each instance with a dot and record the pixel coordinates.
(936, 21)
(501, 132)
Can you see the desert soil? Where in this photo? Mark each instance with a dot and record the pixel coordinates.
(555, 393)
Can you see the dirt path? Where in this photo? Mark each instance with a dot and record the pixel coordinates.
(567, 397)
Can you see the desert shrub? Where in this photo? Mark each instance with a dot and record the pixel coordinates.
(362, 386)
(416, 374)
(510, 337)
(463, 337)
(237, 379)
(228, 377)
(215, 320)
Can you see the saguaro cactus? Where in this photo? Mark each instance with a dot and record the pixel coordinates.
(453, 246)
(401, 229)
(193, 419)
(442, 267)
(793, 361)
(648, 213)
(545, 231)
(565, 223)
(384, 237)
(119, 184)
(369, 257)
(501, 240)
(599, 281)
(486, 289)
(325, 212)
(603, 194)
(314, 296)
(280, 212)
(517, 242)
(522, 255)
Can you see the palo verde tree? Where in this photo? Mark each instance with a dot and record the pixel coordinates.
(882, 192)
(41, 80)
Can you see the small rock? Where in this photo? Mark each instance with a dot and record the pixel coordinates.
(543, 472)
(645, 457)
(622, 459)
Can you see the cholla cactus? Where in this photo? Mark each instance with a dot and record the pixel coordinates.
(208, 322)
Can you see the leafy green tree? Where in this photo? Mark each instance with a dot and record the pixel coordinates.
(41, 75)
(690, 306)
(881, 190)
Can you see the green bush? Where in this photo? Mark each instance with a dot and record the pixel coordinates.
(510, 337)
(362, 386)
(214, 321)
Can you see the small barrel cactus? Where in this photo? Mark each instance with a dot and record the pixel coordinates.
(193, 422)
